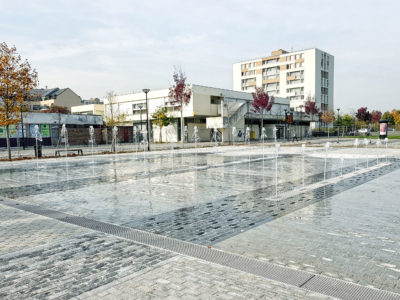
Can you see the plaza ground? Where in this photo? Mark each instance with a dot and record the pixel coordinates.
(72, 228)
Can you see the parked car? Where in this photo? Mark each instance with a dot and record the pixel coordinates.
(364, 131)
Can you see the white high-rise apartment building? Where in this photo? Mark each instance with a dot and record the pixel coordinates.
(298, 76)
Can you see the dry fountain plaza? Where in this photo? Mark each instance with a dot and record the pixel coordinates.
(227, 222)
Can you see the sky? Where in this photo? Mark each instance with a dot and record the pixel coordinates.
(125, 46)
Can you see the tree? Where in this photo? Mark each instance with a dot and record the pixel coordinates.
(161, 119)
(17, 78)
(376, 115)
(389, 117)
(396, 116)
(311, 108)
(180, 94)
(113, 116)
(345, 120)
(328, 116)
(262, 103)
(363, 115)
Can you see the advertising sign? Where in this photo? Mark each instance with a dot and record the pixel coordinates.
(383, 128)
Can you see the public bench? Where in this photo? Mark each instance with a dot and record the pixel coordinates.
(75, 151)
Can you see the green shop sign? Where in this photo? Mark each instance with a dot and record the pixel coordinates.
(45, 130)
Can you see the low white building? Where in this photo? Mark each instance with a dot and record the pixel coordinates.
(88, 109)
(208, 108)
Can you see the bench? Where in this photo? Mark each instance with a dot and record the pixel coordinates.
(75, 151)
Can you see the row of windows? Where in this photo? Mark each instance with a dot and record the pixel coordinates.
(248, 73)
(295, 65)
(324, 91)
(297, 56)
(248, 65)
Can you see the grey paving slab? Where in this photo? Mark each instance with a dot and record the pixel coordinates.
(70, 267)
(354, 236)
(189, 278)
(21, 230)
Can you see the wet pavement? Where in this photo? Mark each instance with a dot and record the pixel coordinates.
(238, 199)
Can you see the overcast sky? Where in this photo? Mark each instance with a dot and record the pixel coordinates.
(96, 46)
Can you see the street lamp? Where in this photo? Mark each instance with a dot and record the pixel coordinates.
(301, 120)
(148, 120)
(338, 109)
(285, 123)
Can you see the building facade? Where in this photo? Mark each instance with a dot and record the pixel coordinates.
(45, 98)
(208, 108)
(299, 76)
(88, 109)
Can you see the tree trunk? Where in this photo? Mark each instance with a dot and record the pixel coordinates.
(182, 129)
(262, 122)
(160, 134)
(8, 142)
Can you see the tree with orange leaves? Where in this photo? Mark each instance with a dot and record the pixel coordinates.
(17, 78)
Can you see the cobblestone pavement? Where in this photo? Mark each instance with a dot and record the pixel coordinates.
(69, 267)
(354, 236)
(20, 230)
(43, 258)
(189, 278)
(215, 221)
(62, 261)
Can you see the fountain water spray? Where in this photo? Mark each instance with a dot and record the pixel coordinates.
(64, 135)
(195, 136)
(233, 135)
(215, 137)
(378, 145)
(91, 141)
(143, 142)
(386, 140)
(277, 147)
(327, 146)
(356, 143)
(247, 136)
(303, 151)
(114, 139)
(274, 131)
(38, 138)
(263, 137)
(186, 135)
(366, 142)
(135, 138)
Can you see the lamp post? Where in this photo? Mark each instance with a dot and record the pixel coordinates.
(301, 120)
(285, 124)
(148, 120)
(338, 109)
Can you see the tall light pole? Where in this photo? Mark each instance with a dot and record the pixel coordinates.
(338, 109)
(148, 120)
(285, 132)
(301, 120)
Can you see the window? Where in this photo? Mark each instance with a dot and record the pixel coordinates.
(297, 56)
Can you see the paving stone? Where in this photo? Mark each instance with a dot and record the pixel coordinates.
(152, 284)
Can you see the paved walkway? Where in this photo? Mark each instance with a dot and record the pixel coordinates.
(42, 258)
